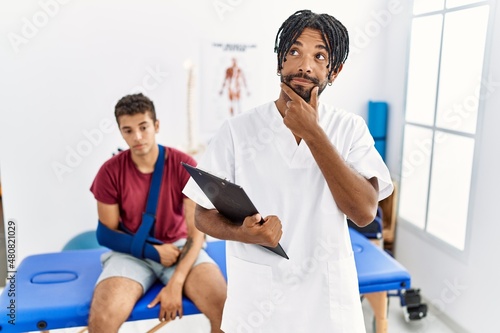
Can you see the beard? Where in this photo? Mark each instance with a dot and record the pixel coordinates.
(304, 92)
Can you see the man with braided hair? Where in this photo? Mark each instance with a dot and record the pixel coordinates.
(306, 166)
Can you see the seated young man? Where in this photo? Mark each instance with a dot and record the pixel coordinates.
(121, 189)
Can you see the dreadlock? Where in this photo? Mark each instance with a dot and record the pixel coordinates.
(334, 35)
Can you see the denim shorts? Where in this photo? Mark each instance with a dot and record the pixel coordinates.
(143, 271)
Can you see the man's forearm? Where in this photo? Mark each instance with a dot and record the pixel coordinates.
(122, 242)
(211, 222)
(354, 195)
(187, 258)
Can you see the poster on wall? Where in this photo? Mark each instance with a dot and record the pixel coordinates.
(228, 76)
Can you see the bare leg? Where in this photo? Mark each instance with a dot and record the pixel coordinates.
(206, 287)
(113, 301)
(378, 302)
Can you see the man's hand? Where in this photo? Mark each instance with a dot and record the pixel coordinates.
(301, 117)
(170, 299)
(169, 254)
(268, 233)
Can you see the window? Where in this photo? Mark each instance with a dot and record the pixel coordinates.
(443, 100)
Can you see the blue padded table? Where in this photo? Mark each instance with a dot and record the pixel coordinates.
(378, 273)
(377, 270)
(54, 290)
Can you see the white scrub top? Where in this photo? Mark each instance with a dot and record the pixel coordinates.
(316, 290)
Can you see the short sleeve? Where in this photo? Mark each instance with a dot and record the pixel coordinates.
(182, 176)
(365, 159)
(217, 159)
(104, 186)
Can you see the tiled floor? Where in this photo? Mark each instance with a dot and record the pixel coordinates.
(398, 324)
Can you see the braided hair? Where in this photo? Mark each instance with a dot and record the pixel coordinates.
(333, 32)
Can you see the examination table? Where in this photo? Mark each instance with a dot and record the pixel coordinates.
(54, 290)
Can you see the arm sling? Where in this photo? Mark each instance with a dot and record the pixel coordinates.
(140, 244)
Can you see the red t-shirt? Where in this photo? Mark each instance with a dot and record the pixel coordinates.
(120, 182)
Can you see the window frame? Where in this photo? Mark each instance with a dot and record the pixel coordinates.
(423, 233)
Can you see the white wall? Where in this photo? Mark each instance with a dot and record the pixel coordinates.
(66, 63)
(460, 287)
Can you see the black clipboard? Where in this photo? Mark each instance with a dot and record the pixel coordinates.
(228, 198)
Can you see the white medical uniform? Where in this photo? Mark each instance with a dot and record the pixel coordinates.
(317, 289)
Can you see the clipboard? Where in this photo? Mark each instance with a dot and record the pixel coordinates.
(228, 198)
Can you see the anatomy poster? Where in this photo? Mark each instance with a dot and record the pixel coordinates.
(228, 77)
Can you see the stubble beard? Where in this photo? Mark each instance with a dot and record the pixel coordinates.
(303, 92)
